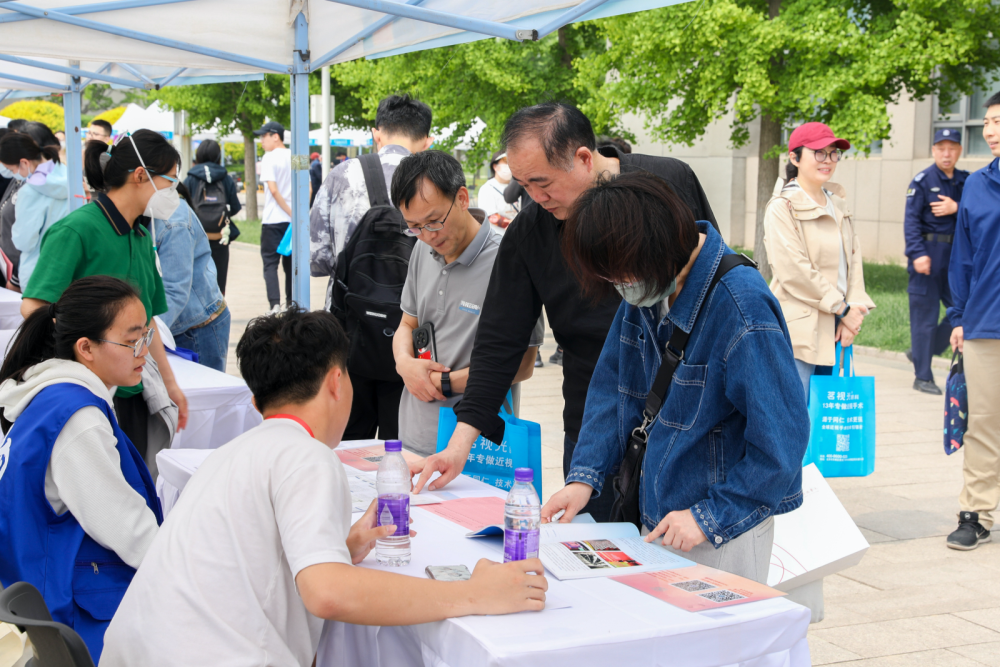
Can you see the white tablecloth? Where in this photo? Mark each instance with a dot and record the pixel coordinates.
(10, 309)
(607, 624)
(219, 407)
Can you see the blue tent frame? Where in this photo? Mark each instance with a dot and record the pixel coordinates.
(302, 65)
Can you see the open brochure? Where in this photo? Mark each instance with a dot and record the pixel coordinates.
(586, 550)
(698, 588)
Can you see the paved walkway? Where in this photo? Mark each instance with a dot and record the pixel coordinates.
(911, 601)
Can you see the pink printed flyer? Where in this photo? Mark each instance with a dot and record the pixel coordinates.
(698, 588)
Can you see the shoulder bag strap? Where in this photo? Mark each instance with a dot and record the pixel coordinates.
(371, 167)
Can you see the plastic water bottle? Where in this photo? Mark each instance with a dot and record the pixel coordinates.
(392, 481)
(522, 518)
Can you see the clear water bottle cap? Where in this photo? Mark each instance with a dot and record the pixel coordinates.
(393, 445)
(524, 475)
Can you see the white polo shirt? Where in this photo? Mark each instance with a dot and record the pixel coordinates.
(276, 166)
(217, 587)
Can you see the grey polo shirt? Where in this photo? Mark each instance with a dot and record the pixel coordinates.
(451, 296)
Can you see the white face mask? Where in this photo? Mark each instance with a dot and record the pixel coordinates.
(164, 202)
(503, 171)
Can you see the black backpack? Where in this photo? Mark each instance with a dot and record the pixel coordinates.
(369, 277)
(210, 204)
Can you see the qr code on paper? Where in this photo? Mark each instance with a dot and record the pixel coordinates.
(722, 596)
(693, 586)
(844, 443)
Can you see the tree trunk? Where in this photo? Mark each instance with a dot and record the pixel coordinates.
(250, 175)
(767, 174)
(567, 59)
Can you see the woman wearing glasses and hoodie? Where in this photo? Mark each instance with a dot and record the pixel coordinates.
(80, 508)
(135, 177)
(814, 252)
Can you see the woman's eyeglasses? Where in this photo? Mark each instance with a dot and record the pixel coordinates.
(832, 155)
(430, 226)
(143, 341)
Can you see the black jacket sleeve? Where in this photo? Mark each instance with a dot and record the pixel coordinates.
(231, 197)
(696, 199)
(510, 311)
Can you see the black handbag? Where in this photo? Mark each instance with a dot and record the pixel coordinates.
(626, 482)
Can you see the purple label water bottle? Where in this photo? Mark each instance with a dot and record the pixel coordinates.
(522, 518)
(392, 481)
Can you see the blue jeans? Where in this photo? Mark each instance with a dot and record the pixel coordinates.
(211, 341)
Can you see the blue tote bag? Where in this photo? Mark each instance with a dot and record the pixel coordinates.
(492, 463)
(956, 406)
(285, 246)
(842, 421)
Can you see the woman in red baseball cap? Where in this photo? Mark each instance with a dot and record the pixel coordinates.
(814, 251)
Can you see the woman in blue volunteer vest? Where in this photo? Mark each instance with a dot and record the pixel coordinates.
(78, 509)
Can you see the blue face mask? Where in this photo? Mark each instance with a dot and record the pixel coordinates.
(633, 292)
(6, 173)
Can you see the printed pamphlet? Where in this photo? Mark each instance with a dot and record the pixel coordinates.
(698, 588)
(584, 551)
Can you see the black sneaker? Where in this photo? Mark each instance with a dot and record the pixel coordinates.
(557, 357)
(927, 387)
(909, 354)
(970, 533)
(538, 360)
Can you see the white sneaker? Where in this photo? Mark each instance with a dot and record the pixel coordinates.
(275, 309)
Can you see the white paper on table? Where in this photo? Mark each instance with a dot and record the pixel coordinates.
(817, 539)
(584, 551)
(363, 490)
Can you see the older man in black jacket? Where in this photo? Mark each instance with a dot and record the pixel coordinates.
(551, 150)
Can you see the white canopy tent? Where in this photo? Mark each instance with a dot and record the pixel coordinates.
(60, 46)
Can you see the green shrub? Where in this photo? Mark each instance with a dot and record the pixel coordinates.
(38, 110)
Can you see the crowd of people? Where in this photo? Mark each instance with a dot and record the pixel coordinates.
(669, 339)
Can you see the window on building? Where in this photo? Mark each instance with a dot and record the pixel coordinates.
(966, 116)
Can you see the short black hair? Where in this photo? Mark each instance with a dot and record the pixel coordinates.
(208, 151)
(560, 128)
(438, 167)
(993, 101)
(103, 124)
(41, 133)
(283, 358)
(16, 124)
(401, 114)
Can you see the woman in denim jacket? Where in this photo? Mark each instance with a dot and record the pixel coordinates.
(725, 452)
(196, 315)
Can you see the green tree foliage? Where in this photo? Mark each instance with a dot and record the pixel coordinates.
(245, 106)
(99, 96)
(488, 79)
(39, 110)
(786, 61)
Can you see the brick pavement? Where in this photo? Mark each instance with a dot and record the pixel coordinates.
(911, 601)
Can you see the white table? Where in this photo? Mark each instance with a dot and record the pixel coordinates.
(10, 309)
(608, 623)
(219, 407)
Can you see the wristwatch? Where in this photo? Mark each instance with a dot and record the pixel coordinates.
(847, 309)
(446, 384)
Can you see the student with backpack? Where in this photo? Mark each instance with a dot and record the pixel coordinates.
(356, 238)
(214, 200)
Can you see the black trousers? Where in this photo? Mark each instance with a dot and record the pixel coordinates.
(220, 256)
(133, 417)
(929, 337)
(599, 507)
(270, 237)
(375, 409)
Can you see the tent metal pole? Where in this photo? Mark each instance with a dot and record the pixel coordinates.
(324, 59)
(300, 163)
(6, 93)
(136, 73)
(72, 71)
(93, 9)
(47, 85)
(325, 121)
(492, 28)
(74, 147)
(569, 16)
(100, 70)
(170, 77)
(144, 37)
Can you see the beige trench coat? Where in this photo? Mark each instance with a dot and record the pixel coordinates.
(803, 248)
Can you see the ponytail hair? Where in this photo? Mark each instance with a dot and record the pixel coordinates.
(15, 147)
(791, 171)
(112, 172)
(87, 309)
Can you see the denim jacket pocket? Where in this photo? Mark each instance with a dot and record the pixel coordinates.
(687, 388)
(632, 361)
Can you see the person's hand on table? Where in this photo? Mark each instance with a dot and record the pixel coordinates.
(509, 587)
(680, 530)
(958, 339)
(449, 462)
(178, 397)
(416, 376)
(572, 498)
(363, 534)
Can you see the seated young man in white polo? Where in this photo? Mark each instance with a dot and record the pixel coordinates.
(259, 548)
(446, 285)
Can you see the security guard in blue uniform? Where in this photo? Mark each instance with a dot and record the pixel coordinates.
(929, 228)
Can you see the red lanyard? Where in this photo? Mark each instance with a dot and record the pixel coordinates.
(294, 419)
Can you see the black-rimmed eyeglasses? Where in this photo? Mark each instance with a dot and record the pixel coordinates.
(430, 226)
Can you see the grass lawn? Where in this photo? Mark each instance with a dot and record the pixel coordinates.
(249, 231)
